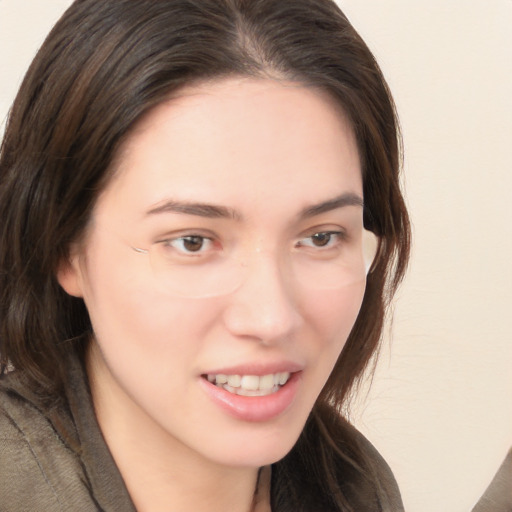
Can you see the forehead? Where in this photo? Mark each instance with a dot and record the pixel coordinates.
(238, 140)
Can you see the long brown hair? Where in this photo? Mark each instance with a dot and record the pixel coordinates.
(104, 65)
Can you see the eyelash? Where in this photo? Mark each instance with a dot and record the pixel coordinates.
(335, 238)
(339, 237)
(184, 239)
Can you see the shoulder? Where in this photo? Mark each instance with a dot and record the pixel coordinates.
(384, 479)
(38, 469)
(359, 462)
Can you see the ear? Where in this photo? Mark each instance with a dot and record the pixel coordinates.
(69, 275)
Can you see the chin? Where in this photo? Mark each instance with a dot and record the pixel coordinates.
(264, 446)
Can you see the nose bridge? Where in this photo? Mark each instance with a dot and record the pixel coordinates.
(265, 305)
(268, 268)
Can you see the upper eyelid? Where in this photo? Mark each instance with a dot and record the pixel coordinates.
(184, 233)
(169, 244)
(325, 228)
(329, 225)
(339, 233)
(184, 237)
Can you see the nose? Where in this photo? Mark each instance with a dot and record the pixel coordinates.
(265, 307)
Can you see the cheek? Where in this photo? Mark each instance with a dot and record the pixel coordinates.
(332, 315)
(139, 325)
(334, 312)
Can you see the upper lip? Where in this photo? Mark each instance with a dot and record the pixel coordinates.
(258, 369)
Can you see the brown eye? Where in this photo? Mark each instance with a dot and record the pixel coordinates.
(321, 239)
(196, 245)
(193, 243)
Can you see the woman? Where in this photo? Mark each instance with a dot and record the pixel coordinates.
(186, 189)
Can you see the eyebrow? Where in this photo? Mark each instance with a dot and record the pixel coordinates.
(213, 211)
(347, 199)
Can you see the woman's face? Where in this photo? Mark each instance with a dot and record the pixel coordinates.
(223, 260)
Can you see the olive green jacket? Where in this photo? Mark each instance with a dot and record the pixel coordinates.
(57, 460)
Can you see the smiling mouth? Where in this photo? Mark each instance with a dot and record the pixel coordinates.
(249, 385)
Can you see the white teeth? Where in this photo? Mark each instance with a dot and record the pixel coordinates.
(266, 382)
(283, 378)
(233, 380)
(250, 385)
(250, 382)
(256, 392)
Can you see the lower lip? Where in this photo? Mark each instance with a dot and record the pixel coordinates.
(254, 408)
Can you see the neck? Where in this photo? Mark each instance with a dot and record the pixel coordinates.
(160, 473)
(166, 480)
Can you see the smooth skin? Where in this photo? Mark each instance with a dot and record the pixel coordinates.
(264, 150)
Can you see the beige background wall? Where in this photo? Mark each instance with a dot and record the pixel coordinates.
(440, 409)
